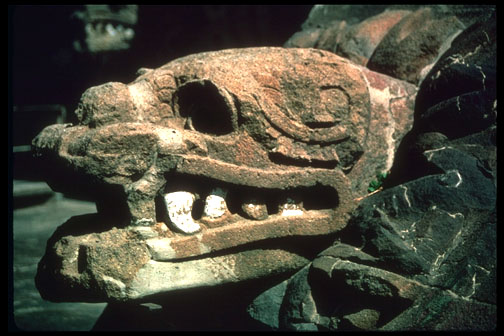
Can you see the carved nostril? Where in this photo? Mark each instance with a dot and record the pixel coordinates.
(205, 107)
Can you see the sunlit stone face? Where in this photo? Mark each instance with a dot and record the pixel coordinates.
(214, 152)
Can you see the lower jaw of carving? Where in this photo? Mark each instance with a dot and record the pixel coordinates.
(208, 226)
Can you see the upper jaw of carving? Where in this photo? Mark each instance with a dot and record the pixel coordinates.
(229, 193)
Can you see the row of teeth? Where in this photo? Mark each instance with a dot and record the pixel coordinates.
(179, 206)
(108, 28)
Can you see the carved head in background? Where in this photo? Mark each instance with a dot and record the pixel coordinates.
(106, 27)
(206, 158)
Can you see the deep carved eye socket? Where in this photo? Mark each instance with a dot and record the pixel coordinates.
(206, 108)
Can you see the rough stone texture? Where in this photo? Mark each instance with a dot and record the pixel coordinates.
(421, 254)
(301, 130)
(361, 40)
(324, 15)
(402, 41)
(471, 63)
(307, 38)
(353, 37)
(426, 248)
(119, 265)
(412, 44)
(470, 60)
(356, 42)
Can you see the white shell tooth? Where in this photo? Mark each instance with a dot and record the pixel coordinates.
(215, 203)
(88, 28)
(110, 29)
(129, 33)
(179, 207)
(291, 207)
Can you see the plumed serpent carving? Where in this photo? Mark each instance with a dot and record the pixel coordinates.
(197, 163)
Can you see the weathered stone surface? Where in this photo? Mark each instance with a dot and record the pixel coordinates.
(304, 39)
(467, 14)
(365, 319)
(404, 41)
(470, 61)
(421, 254)
(412, 44)
(433, 238)
(91, 269)
(328, 37)
(361, 40)
(324, 15)
(86, 254)
(188, 143)
(390, 102)
(356, 41)
(220, 308)
(265, 308)
(442, 311)
(301, 307)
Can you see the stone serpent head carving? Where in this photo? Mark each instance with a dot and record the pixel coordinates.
(106, 27)
(198, 167)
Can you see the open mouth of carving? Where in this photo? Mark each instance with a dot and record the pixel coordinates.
(189, 204)
(111, 28)
(105, 35)
(201, 215)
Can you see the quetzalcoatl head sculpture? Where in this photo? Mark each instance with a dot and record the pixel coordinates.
(216, 167)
